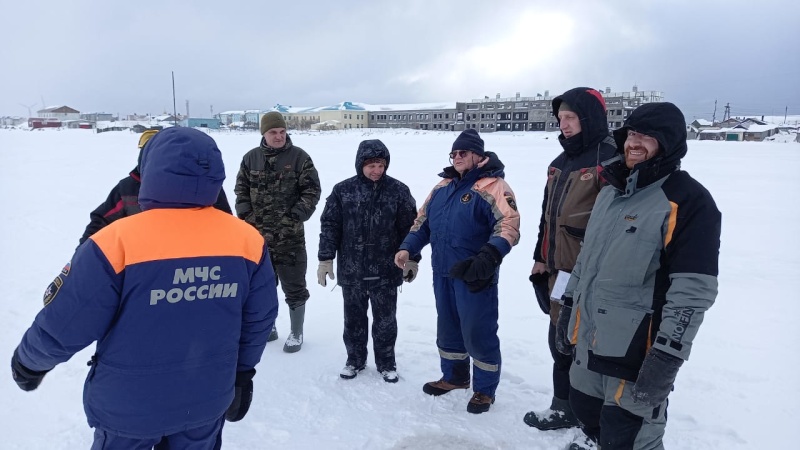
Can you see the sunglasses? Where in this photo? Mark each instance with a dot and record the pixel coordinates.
(459, 153)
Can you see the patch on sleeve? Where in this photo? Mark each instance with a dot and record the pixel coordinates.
(510, 200)
(52, 290)
(66, 269)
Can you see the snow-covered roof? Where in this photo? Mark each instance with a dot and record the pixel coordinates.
(704, 122)
(411, 106)
(285, 109)
(753, 128)
(103, 124)
(756, 128)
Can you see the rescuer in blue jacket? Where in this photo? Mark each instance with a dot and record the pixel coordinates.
(180, 299)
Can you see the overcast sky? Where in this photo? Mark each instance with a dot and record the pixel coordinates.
(116, 57)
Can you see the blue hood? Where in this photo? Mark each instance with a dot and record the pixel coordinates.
(181, 168)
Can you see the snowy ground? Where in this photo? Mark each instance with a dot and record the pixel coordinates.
(738, 391)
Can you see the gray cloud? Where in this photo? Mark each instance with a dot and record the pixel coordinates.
(104, 56)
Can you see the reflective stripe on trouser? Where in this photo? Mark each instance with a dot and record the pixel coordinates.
(293, 278)
(623, 424)
(208, 437)
(467, 325)
(384, 324)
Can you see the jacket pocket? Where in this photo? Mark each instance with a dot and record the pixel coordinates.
(620, 339)
(568, 245)
(625, 265)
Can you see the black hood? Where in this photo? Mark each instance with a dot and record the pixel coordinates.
(372, 148)
(662, 121)
(590, 107)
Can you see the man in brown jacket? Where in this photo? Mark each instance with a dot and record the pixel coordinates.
(573, 182)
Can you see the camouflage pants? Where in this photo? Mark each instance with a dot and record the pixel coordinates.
(384, 324)
(292, 277)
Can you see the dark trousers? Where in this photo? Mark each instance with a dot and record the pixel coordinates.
(609, 416)
(384, 324)
(292, 278)
(561, 364)
(208, 437)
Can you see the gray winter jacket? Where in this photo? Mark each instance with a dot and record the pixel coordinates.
(648, 268)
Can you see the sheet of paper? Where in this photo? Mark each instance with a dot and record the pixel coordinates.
(560, 286)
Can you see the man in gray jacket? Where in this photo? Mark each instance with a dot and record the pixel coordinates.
(644, 278)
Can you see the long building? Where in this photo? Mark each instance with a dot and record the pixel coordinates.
(499, 114)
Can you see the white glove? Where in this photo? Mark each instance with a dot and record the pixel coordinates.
(325, 268)
(410, 271)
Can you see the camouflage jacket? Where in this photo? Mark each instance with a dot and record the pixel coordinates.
(364, 222)
(276, 191)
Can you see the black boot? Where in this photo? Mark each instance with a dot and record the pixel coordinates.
(558, 416)
(273, 335)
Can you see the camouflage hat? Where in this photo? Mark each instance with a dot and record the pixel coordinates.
(270, 120)
(146, 135)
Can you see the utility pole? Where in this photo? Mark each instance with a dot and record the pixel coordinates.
(785, 113)
(714, 116)
(174, 108)
(187, 109)
(727, 114)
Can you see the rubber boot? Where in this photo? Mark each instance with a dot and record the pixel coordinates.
(558, 416)
(295, 340)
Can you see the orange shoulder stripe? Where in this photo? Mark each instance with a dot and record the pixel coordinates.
(673, 219)
(160, 234)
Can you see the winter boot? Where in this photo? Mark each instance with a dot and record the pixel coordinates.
(558, 416)
(441, 387)
(295, 340)
(390, 376)
(349, 372)
(273, 335)
(583, 442)
(479, 403)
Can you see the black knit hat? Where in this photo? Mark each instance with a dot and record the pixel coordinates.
(469, 140)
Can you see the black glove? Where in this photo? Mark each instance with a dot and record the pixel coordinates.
(540, 282)
(243, 395)
(26, 379)
(656, 376)
(478, 271)
(563, 344)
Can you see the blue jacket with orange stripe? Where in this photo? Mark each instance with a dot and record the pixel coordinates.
(179, 298)
(462, 214)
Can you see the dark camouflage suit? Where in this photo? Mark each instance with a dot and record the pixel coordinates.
(363, 224)
(276, 191)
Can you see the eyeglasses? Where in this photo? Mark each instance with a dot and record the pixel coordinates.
(459, 153)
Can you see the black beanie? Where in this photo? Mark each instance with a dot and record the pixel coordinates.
(469, 140)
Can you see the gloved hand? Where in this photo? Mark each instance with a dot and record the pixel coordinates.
(410, 271)
(563, 344)
(656, 376)
(26, 379)
(243, 395)
(325, 268)
(478, 271)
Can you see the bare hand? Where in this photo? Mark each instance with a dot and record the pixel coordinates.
(401, 258)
